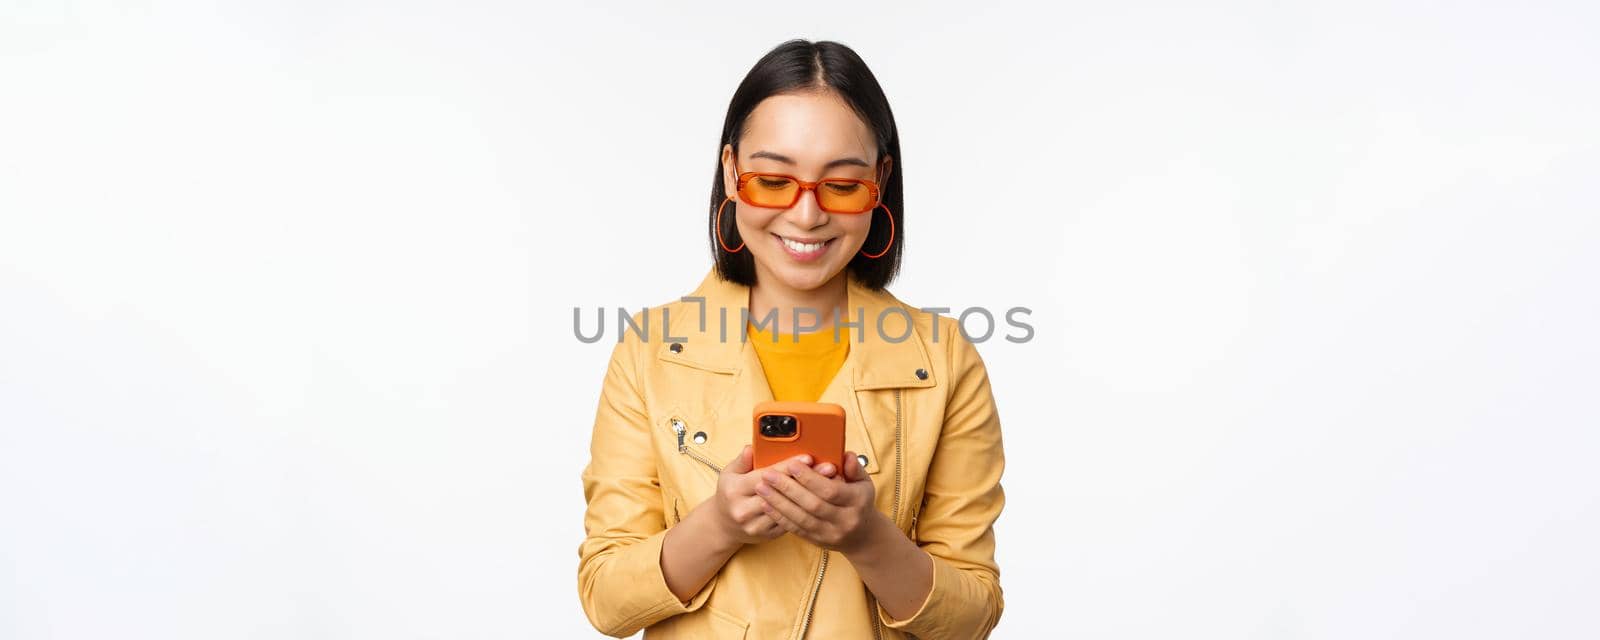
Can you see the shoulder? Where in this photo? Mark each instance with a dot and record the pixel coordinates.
(640, 330)
(645, 328)
(951, 356)
(939, 331)
(699, 328)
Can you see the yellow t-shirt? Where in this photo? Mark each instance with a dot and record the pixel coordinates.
(800, 370)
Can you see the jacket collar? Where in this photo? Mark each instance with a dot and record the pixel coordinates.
(714, 340)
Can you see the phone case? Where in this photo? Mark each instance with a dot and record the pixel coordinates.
(819, 432)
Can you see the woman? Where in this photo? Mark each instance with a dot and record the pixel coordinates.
(684, 538)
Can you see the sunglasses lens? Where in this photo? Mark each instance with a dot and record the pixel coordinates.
(843, 196)
(770, 191)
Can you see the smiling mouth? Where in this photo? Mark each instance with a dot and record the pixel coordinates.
(803, 251)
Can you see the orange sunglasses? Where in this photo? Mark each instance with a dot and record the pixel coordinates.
(781, 191)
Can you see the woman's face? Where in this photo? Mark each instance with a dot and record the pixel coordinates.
(809, 136)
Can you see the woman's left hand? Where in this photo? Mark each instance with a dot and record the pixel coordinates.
(831, 510)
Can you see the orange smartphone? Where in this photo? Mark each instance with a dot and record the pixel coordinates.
(787, 429)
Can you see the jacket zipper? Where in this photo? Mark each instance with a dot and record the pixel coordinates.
(899, 459)
(811, 608)
(899, 464)
(679, 429)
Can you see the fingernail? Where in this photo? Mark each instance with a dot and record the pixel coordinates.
(806, 460)
(770, 477)
(763, 489)
(826, 469)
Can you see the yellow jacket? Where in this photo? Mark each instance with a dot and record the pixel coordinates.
(672, 413)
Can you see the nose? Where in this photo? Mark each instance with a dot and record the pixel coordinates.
(807, 213)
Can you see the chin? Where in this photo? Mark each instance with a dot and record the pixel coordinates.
(803, 279)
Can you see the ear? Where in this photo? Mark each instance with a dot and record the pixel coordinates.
(886, 167)
(730, 180)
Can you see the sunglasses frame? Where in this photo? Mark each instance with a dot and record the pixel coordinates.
(746, 177)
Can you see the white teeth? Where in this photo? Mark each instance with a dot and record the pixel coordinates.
(800, 247)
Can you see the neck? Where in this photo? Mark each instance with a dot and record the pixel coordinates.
(817, 305)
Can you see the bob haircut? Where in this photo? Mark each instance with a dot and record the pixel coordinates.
(800, 66)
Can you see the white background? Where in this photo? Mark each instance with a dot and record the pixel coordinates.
(286, 299)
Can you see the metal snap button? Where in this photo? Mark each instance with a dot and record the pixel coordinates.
(677, 347)
(863, 460)
(922, 374)
(699, 437)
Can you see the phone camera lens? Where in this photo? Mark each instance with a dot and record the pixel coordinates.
(777, 426)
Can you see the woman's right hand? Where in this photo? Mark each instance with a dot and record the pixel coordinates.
(736, 510)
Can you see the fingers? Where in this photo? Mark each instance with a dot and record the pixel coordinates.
(795, 492)
(753, 520)
(774, 528)
(783, 523)
(745, 510)
(828, 489)
(803, 458)
(784, 511)
(853, 471)
(741, 463)
(748, 478)
(762, 524)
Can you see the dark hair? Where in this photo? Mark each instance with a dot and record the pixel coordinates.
(798, 66)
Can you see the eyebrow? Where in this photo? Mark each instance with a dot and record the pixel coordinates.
(787, 160)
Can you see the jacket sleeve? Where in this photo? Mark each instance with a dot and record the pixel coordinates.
(962, 499)
(619, 563)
